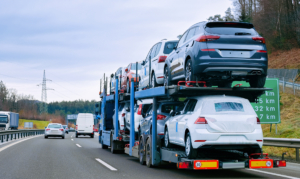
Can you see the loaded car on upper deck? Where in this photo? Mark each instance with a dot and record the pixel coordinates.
(218, 53)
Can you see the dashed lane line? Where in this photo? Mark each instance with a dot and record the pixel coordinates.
(106, 165)
(279, 175)
(78, 145)
(72, 139)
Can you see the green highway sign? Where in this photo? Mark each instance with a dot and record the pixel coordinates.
(267, 107)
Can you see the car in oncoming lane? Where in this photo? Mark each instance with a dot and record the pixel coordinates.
(218, 53)
(215, 123)
(54, 130)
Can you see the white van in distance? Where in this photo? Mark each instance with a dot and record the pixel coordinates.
(85, 124)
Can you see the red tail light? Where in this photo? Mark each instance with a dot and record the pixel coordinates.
(259, 39)
(257, 120)
(162, 59)
(206, 38)
(140, 109)
(280, 163)
(183, 165)
(259, 140)
(201, 120)
(261, 51)
(123, 114)
(47, 129)
(76, 127)
(61, 129)
(161, 117)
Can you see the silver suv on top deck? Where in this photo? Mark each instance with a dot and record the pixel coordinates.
(218, 53)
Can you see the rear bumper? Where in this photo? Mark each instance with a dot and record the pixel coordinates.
(222, 65)
(84, 133)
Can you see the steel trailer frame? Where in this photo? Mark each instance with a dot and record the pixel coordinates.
(175, 155)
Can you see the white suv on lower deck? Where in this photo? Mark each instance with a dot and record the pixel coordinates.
(215, 123)
(157, 55)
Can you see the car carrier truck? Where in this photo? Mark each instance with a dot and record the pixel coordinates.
(149, 148)
(9, 120)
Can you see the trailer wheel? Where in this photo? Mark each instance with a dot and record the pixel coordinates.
(189, 150)
(149, 153)
(112, 150)
(141, 152)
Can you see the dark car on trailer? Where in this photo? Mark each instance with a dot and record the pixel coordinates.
(218, 53)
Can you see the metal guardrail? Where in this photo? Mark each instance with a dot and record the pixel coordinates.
(284, 142)
(16, 134)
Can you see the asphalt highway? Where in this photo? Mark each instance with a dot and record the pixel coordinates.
(36, 158)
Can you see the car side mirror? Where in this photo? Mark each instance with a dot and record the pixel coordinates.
(177, 113)
(143, 63)
(126, 70)
(127, 109)
(112, 75)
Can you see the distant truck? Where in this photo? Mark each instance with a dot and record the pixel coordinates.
(9, 120)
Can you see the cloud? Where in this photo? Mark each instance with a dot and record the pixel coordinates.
(77, 41)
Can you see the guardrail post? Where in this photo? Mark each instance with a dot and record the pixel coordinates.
(7, 137)
(297, 154)
(2, 139)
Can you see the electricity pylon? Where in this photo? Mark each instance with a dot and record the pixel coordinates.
(43, 104)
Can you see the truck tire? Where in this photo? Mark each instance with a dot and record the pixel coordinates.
(141, 152)
(76, 135)
(149, 153)
(92, 136)
(190, 152)
(257, 81)
(63, 137)
(112, 150)
(104, 146)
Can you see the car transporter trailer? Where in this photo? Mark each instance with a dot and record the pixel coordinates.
(149, 149)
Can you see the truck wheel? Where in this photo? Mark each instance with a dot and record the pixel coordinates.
(166, 139)
(257, 81)
(46, 137)
(189, 150)
(112, 150)
(92, 136)
(141, 152)
(149, 153)
(63, 137)
(104, 146)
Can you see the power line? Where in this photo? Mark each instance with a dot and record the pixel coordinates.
(18, 78)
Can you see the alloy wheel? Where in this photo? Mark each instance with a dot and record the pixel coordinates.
(166, 139)
(166, 78)
(188, 72)
(187, 146)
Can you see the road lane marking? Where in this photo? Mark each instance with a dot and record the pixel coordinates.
(78, 145)
(9, 145)
(106, 165)
(72, 139)
(285, 176)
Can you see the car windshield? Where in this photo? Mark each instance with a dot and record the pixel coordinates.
(167, 108)
(3, 119)
(54, 126)
(229, 106)
(133, 66)
(169, 47)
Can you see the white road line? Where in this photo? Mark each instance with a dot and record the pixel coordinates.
(9, 145)
(78, 145)
(72, 139)
(106, 165)
(285, 176)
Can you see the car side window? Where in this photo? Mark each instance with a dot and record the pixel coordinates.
(182, 39)
(199, 30)
(190, 34)
(190, 106)
(147, 58)
(158, 49)
(153, 51)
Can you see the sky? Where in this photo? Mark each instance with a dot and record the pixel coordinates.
(77, 41)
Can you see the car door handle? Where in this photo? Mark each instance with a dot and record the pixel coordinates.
(187, 45)
(178, 51)
(171, 60)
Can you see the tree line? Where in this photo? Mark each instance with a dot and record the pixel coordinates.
(29, 108)
(278, 21)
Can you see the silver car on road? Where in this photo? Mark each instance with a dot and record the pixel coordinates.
(54, 130)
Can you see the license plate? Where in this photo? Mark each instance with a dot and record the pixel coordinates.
(235, 54)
